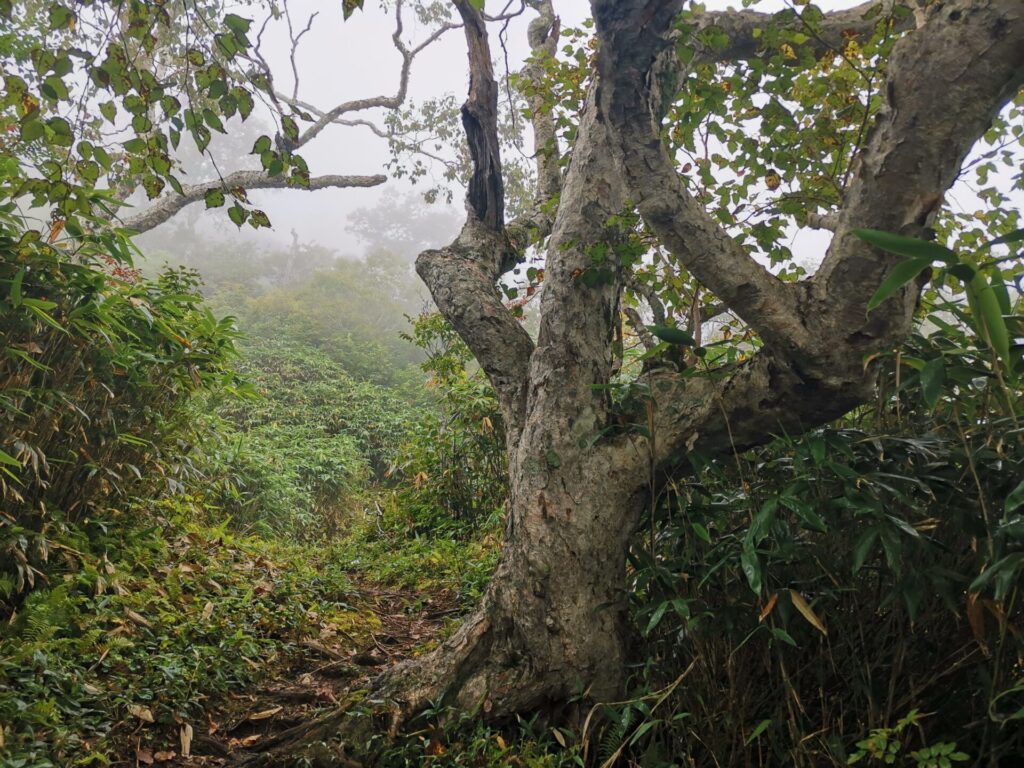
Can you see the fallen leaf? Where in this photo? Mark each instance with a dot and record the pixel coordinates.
(246, 741)
(807, 612)
(263, 715)
(138, 618)
(141, 712)
(207, 610)
(143, 756)
(166, 756)
(186, 740)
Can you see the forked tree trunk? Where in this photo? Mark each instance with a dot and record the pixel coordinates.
(552, 624)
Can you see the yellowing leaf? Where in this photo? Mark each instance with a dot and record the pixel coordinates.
(767, 610)
(143, 713)
(807, 612)
(265, 714)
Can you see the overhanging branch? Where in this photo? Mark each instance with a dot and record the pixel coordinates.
(166, 207)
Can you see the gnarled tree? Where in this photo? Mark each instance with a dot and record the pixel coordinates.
(552, 622)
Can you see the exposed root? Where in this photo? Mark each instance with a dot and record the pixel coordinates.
(351, 735)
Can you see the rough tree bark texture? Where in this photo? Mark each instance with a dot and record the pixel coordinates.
(552, 623)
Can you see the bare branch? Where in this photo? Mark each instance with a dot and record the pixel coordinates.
(326, 117)
(639, 328)
(168, 206)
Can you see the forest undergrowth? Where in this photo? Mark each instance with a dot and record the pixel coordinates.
(210, 537)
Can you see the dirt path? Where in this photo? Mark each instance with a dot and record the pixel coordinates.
(390, 625)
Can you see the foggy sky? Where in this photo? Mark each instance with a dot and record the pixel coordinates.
(342, 60)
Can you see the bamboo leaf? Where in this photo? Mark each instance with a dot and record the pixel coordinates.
(807, 612)
(1012, 237)
(910, 247)
(901, 274)
(933, 376)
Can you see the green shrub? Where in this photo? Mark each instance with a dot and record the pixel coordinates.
(96, 370)
(453, 465)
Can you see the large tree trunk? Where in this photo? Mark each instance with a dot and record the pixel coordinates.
(552, 624)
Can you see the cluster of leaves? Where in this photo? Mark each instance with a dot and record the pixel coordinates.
(881, 560)
(453, 465)
(98, 96)
(144, 627)
(98, 365)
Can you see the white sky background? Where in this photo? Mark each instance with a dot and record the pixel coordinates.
(342, 60)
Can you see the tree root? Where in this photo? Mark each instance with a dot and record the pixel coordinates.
(366, 722)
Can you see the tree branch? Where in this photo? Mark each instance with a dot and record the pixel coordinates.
(326, 117)
(166, 207)
(946, 82)
(462, 278)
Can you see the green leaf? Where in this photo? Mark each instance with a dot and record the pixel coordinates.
(863, 548)
(780, 634)
(16, 287)
(214, 198)
(932, 376)
(672, 335)
(6, 458)
(1004, 567)
(901, 274)
(62, 134)
(1013, 237)
(656, 617)
(761, 728)
(985, 304)
(1015, 499)
(237, 23)
(237, 214)
(290, 128)
(348, 7)
(911, 247)
(31, 130)
(702, 532)
(262, 145)
(751, 569)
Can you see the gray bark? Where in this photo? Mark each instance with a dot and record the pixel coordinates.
(553, 617)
